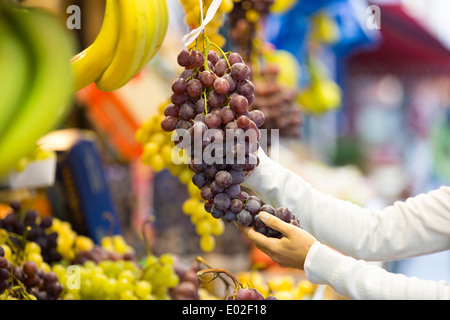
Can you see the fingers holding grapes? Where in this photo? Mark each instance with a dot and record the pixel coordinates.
(288, 251)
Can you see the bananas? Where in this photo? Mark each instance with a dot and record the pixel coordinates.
(131, 34)
(48, 91)
(15, 66)
(89, 64)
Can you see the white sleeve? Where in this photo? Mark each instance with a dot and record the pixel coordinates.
(417, 226)
(356, 279)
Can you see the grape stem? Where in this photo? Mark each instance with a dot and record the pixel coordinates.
(217, 272)
(223, 53)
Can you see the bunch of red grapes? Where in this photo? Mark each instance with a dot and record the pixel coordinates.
(187, 288)
(35, 229)
(29, 278)
(210, 117)
(249, 294)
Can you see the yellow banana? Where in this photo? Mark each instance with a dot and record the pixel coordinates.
(164, 24)
(89, 64)
(157, 28)
(15, 70)
(48, 98)
(152, 18)
(130, 47)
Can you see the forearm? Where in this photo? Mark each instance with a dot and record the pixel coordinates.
(356, 279)
(399, 231)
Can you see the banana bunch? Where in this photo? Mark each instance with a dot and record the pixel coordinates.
(131, 34)
(36, 79)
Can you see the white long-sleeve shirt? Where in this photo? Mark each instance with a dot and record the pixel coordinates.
(420, 225)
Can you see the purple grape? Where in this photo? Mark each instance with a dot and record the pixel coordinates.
(200, 179)
(179, 85)
(207, 78)
(221, 67)
(194, 88)
(237, 176)
(172, 110)
(238, 103)
(196, 58)
(215, 188)
(224, 179)
(209, 206)
(243, 122)
(187, 111)
(226, 115)
(233, 83)
(217, 213)
(252, 206)
(235, 58)
(240, 71)
(178, 98)
(221, 86)
(211, 171)
(284, 214)
(206, 193)
(212, 121)
(229, 216)
(216, 100)
(244, 218)
(236, 205)
(233, 191)
(246, 88)
(257, 117)
(169, 123)
(268, 208)
(222, 201)
(183, 58)
(213, 57)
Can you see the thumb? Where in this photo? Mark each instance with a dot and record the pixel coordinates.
(275, 223)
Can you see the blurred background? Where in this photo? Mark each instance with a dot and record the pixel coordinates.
(372, 90)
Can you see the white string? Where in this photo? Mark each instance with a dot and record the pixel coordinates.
(189, 38)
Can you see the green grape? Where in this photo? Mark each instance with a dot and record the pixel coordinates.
(142, 289)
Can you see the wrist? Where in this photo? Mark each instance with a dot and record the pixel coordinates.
(309, 256)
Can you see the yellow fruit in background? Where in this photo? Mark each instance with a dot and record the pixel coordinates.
(281, 283)
(156, 161)
(207, 243)
(8, 252)
(287, 64)
(281, 6)
(284, 295)
(83, 243)
(328, 94)
(324, 29)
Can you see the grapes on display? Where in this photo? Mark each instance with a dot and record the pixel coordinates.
(215, 127)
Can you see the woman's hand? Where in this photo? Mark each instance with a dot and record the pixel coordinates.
(289, 251)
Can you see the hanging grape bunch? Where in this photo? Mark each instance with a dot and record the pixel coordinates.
(210, 117)
(278, 103)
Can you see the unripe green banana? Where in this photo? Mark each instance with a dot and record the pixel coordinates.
(49, 96)
(15, 72)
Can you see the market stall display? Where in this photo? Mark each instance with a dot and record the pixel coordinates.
(125, 143)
